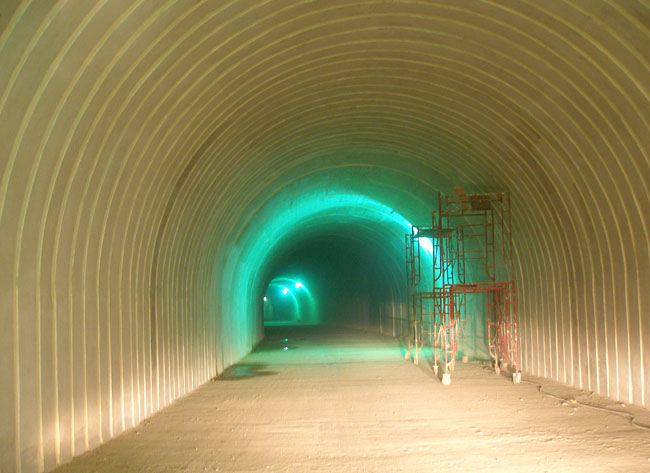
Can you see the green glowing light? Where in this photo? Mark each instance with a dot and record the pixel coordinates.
(286, 217)
(297, 307)
(426, 244)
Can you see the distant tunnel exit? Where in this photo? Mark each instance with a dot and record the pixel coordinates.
(288, 300)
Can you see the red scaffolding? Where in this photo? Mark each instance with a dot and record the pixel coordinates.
(472, 254)
(415, 317)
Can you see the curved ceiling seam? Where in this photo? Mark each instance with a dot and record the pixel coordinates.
(107, 134)
(34, 39)
(306, 149)
(571, 66)
(85, 253)
(144, 398)
(103, 232)
(154, 180)
(583, 34)
(122, 168)
(99, 259)
(527, 249)
(578, 147)
(186, 320)
(57, 239)
(144, 372)
(627, 47)
(68, 140)
(106, 73)
(17, 255)
(14, 20)
(6, 174)
(37, 96)
(183, 279)
(135, 232)
(630, 18)
(159, 62)
(166, 300)
(38, 277)
(115, 60)
(538, 294)
(546, 293)
(521, 254)
(213, 152)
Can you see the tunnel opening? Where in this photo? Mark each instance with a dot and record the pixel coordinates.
(346, 281)
(290, 301)
(161, 161)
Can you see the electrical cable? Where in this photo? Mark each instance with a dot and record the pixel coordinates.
(628, 415)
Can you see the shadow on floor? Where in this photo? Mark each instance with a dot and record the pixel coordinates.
(244, 371)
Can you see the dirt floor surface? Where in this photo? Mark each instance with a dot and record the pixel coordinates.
(312, 399)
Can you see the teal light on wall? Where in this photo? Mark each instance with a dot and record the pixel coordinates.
(287, 219)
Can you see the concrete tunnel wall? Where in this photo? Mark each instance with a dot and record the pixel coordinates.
(159, 157)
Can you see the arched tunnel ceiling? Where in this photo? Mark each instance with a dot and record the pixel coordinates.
(159, 156)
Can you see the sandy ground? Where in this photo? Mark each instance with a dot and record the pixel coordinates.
(334, 402)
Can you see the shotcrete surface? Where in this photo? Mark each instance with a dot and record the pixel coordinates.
(313, 399)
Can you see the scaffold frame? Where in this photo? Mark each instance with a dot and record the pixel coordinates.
(467, 230)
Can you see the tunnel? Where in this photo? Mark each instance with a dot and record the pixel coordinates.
(168, 168)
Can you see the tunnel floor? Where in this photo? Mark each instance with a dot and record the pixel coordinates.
(336, 400)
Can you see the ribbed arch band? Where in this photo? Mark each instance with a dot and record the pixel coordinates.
(160, 160)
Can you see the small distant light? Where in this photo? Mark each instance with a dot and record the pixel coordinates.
(286, 339)
(265, 299)
(299, 285)
(285, 290)
(285, 348)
